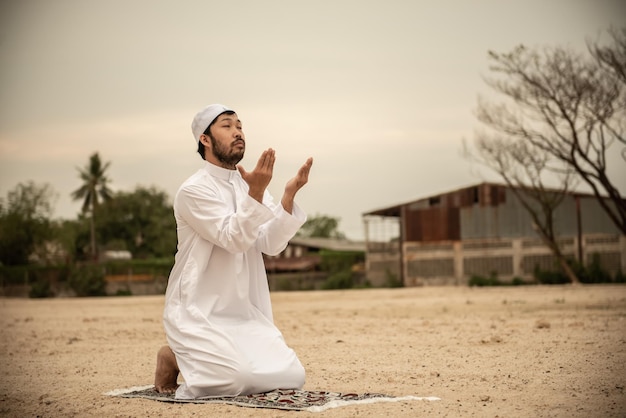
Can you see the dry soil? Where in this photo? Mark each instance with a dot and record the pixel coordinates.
(538, 351)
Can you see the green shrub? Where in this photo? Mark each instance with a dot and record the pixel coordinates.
(492, 280)
(340, 280)
(518, 281)
(338, 261)
(31, 274)
(592, 273)
(155, 266)
(365, 285)
(481, 281)
(87, 280)
(285, 284)
(123, 292)
(40, 289)
(549, 277)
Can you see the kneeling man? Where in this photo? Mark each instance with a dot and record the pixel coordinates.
(218, 315)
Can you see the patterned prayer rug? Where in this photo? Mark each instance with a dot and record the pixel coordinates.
(294, 400)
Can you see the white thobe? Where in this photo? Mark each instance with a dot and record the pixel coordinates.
(218, 315)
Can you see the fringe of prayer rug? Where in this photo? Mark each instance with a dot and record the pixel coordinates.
(294, 400)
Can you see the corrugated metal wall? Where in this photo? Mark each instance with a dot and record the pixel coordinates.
(488, 230)
(432, 224)
(511, 220)
(594, 218)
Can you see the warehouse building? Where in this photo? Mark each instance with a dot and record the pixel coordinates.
(482, 230)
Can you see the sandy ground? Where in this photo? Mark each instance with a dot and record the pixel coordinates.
(555, 351)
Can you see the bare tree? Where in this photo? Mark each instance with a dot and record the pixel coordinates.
(524, 170)
(613, 59)
(567, 105)
(562, 113)
(613, 56)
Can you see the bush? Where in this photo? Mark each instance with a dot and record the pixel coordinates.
(549, 276)
(285, 284)
(340, 280)
(518, 281)
(492, 280)
(156, 266)
(31, 274)
(592, 273)
(481, 281)
(339, 261)
(87, 280)
(40, 289)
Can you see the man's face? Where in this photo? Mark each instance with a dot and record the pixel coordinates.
(227, 140)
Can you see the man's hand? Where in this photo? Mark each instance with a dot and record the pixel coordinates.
(295, 184)
(259, 178)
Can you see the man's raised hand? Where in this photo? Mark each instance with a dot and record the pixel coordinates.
(259, 178)
(301, 178)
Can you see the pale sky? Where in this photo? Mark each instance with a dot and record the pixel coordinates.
(380, 93)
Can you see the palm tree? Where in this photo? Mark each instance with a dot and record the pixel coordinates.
(94, 186)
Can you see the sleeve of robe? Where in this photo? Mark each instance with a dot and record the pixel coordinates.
(267, 226)
(275, 234)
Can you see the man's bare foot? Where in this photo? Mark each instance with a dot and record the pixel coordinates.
(166, 374)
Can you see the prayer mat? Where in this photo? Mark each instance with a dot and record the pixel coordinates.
(286, 399)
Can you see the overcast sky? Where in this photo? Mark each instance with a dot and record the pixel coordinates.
(380, 93)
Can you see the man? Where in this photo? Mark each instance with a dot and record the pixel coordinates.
(218, 316)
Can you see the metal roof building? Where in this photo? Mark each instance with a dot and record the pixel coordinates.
(481, 230)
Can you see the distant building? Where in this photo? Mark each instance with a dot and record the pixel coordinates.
(299, 265)
(303, 254)
(481, 230)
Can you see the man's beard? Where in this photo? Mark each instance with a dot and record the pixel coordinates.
(228, 157)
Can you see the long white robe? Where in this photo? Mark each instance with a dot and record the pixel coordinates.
(218, 315)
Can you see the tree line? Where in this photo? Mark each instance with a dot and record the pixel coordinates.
(139, 221)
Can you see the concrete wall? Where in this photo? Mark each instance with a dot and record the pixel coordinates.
(382, 263)
(453, 263)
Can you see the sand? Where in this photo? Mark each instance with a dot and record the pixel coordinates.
(544, 351)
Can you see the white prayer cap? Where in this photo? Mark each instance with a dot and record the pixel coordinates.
(205, 117)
